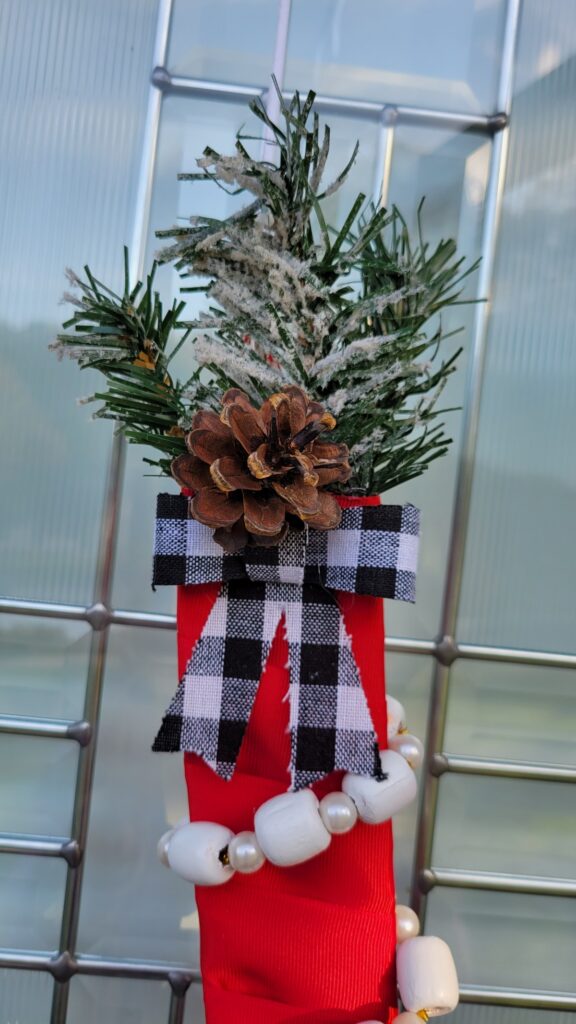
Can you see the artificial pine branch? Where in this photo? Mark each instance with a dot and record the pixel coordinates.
(350, 314)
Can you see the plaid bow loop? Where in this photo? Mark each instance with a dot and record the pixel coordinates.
(374, 551)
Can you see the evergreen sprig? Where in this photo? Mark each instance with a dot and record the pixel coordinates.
(349, 314)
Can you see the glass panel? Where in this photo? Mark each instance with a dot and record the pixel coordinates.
(43, 664)
(31, 895)
(117, 1001)
(25, 997)
(522, 712)
(518, 585)
(506, 940)
(224, 40)
(442, 55)
(148, 911)
(37, 781)
(408, 678)
(75, 81)
(467, 1014)
(515, 826)
(451, 172)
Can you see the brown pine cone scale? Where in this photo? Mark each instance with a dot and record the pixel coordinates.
(250, 469)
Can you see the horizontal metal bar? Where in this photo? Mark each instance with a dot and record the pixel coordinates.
(63, 967)
(120, 968)
(490, 881)
(48, 728)
(150, 620)
(456, 764)
(516, 656)
(42, 608)
(41, 846)
(528, 998)
(486, 124)
(446, 650)
(407, 645)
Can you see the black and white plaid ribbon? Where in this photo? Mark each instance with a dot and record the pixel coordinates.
(374, 551)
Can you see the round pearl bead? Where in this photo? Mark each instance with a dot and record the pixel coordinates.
(244, 853)
(407, 923)
(410, 747)
(162, 847)
(338, 812)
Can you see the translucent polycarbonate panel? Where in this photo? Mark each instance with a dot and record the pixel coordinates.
(224, 40)
(25, 997)
(442, 55)
(451, 172)
(518, 585)
(37, 779)
(408, 678)
(187, 126)
(194, 1013)
(31, 895)
(43, 665)
(131, 905)
(117, 1001)
(469, 1014)
(511, 825)
(74, 81)
(522, 712)
(506, 940)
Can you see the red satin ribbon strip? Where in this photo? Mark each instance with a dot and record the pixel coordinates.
(312, 944)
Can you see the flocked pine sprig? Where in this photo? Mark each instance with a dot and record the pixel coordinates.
(349, 313)
(129, 338)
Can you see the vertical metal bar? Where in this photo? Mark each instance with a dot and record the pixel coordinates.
(461, 511)
(91, 713)
(278, 69)
(177, 1007)
(107, 546)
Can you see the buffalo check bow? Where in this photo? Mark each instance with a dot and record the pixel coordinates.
(373, 551)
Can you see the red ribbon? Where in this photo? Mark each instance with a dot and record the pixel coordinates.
(312, 944)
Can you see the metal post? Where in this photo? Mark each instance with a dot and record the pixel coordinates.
(106, 553)
(461, 510)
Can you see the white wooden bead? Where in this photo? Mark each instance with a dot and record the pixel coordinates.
(378, 801)
(410, 748)
(396, 717)
(407, 923)
(289, 828)
(338, 812)
(193, 853)
(427, 978)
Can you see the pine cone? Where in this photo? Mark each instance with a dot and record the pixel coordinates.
(251, 468)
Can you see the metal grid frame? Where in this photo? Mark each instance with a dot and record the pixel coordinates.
(444, 651)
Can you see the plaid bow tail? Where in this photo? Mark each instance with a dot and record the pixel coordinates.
(330, 722)
(372, 552)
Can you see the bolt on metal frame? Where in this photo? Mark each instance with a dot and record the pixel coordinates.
(445, 651)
